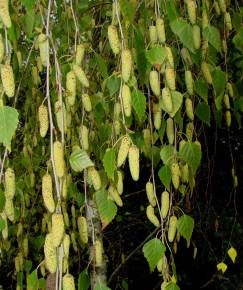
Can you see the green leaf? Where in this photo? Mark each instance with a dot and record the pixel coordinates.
(113, 84)
(28, 4)
(166, 154)
(203, 112)
(32, 281)
(109, 162)
(165, 176)
(171, 10)
(2, 224)
(212, 34)
(201, 89)
(191, 153)
(156, 55)
(83, 280)
(127, 9)
(219, 82)
(140, 56)
(42, 283)
(185, 226)
(153, 251)
(172, 286)
(232, 254)
(238, 40)
(139, 104)
(101, 286)
(29, 20)
(102, 66)
(8, 124)
(183, 30)
(79, 160)
(106, 207)
(2, 200)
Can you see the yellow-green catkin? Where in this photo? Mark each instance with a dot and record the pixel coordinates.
(68, 282)
(81, 76)
(57, 228)
(126, 100)
(44, 48)
(165, 204)
(170, 130)
(160, 26)
(150, 193)
(43, 120)
(126, 64)
(9, 183)
(94, 177)
(133, 158)
(50, 254)
(115, 195)
(8, 82)
(154, 82)
(114, 39)
(172, 228)
(85, 137)
(4, 13)
(123, 150)
(79, 54)
(47, 192)
(151, 216)
(83, 229)
(71, 87)
(58, 155)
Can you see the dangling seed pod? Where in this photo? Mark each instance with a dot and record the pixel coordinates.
(126, 64)
(133, 158)
(47, 193)
(58, 156)
(7, 77)
(151, 216)
(126, 100)
(43, 120)
(123, 150)
(114, 39)
(172, 228)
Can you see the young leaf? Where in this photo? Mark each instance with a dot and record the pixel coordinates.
(222, 267)
(8, 124)
(79, 160)
(201, 89)
(172, 286)
(183, 30)
(165, 176)
(101, 286)
(2, 224)
(177, 100)
(232, 254)
(212, 34)
(109, 162)
(166, 154)
(32, 281)
(203, 112)
(156, 55)
(83, 280)
(2, 200)
(153, 251)
(191, 153)
(185, 226)
(127, 9)
(219, 82)
(139, 104)
(106, 207)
